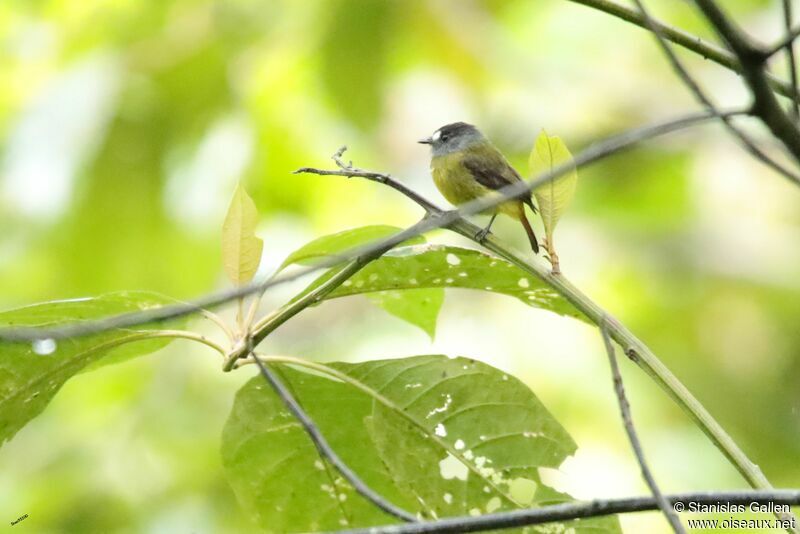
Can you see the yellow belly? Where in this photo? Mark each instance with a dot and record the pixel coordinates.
(459, 187)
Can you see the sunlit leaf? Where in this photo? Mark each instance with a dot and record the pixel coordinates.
(420, 307)
(241, 249)
(435, 436)
(438, 266)
(31, 374)
(553, 197)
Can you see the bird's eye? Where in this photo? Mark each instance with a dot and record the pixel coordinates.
(444, 137)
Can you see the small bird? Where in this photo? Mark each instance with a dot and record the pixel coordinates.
(466, 165)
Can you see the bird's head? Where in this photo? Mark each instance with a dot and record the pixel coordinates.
(453, 138)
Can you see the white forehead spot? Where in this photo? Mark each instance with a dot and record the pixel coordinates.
(436, 135)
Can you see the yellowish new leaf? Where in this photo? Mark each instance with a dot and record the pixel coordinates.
(552, 198)
(241, 249)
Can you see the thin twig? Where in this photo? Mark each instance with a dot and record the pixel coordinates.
(790, 59)
(627, 421)
(700, 95)
(582, 510)
(325, 449)
(603, 149)
(686, 40)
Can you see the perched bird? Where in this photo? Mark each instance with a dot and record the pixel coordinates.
(466, 165)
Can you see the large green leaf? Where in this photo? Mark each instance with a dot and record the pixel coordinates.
(30, 375)
(241, 249)
(435, 436)
(419, 307)
(438, 266)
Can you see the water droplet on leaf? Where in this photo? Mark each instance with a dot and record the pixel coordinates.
(44, 347)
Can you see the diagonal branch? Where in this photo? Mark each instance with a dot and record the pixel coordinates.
(686, 40)
(324, 447)
(627, 420)
(582, 510)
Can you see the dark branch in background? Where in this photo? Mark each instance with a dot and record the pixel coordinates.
(700, 95)
(605, 148)
(686, 40)
(325, 449)
(753, 59)
(790, 59)
(580, 510)
(627, 421)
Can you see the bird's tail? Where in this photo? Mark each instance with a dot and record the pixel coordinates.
(531, 236)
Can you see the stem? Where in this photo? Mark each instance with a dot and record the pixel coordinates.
(183, 334)
(216, 319)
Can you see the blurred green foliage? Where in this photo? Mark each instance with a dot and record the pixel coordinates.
(125, 126)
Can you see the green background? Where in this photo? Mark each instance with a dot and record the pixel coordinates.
(125, 125)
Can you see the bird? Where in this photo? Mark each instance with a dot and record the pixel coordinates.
(465, 165)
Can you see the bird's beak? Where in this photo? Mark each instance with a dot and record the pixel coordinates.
(426, 141)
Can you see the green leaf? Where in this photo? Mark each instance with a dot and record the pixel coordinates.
(30, 375)
(553, 197)
(435, 436)
(241, 249)
(420, 307)
(438, 266)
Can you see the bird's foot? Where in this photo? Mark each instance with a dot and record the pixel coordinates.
(480, 235)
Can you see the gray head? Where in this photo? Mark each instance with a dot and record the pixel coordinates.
(453, 138)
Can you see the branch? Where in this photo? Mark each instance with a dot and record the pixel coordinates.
(683, 73)
(790, 59)
(325, 449)
(603, 149)
(627, 421)
(753, 60)
(686, 40)
(582, 510)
